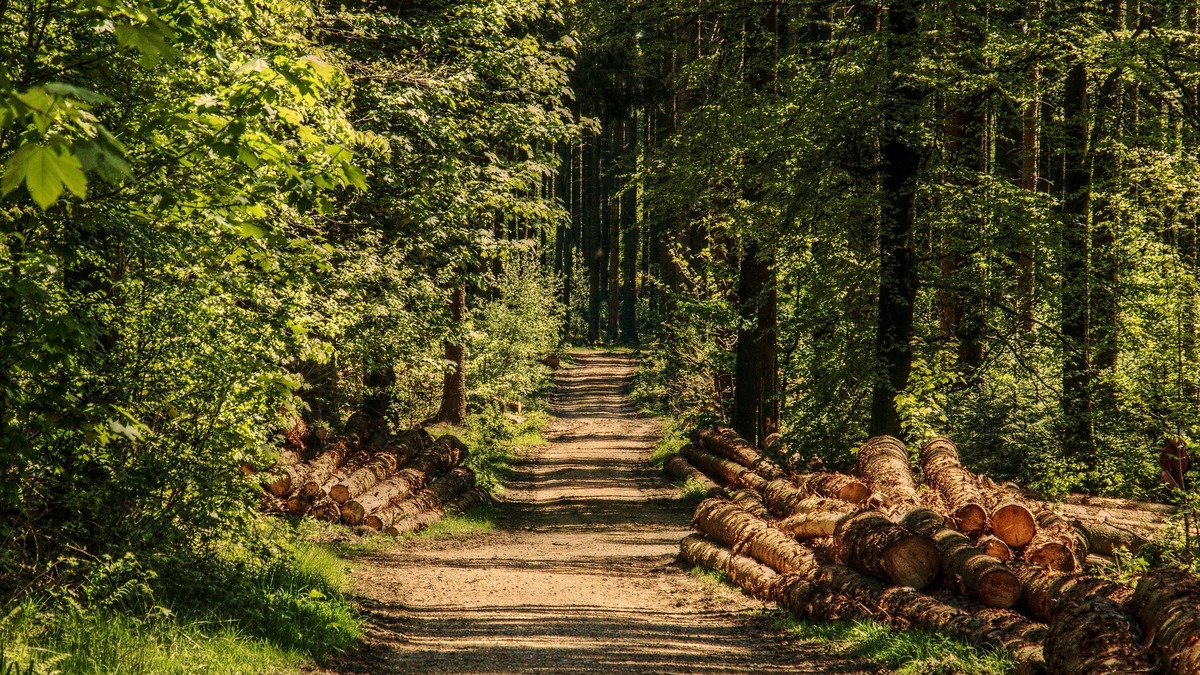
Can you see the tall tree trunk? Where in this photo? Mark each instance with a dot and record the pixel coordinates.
(591, 224)
(454, 384)
(1076, 372)
(613, 248)
(755, 404)
(1030, 153)
(898, 280)
(631, 238)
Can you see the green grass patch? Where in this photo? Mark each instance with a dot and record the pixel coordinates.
(906, 652)
(714, 578)
(478, 520)
(237, 611)
(674, 437)
(693, 491)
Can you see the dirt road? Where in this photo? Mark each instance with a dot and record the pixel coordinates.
(580, 576)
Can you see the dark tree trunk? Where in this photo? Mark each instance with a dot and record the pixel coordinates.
(755, 404)
(1077, 384)
(593, 251)
(454, 383)
(1030, 153)
(631, 237)
(612, 250)
(901, 160)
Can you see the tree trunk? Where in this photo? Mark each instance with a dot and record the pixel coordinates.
(755, 404)
(728, 444)
(883, 464)
(750, 575)
(629, 254)
(1094, 637)
(1030, 153)
(454, 384)
(964, 497)
(593, 249)
(1076, 372)
(901, 159)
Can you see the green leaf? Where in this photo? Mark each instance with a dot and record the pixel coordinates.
(45, 172)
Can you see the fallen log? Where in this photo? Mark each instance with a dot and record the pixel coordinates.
(785, 499)
(1057, 544)
(964, 565)
(780, 552)
(751, 501)
(1095, 637)
(1162, 510)
(1045, 593)
(728, 444)
(945, 473)
(726, 523)
(1012, 519)
(868, 541)
(753, 577)
(442, 490)
(908, 607)
(351, 464)
(1103, 538)
(724, 472)
(835, 485)
(397, 452)
(679, 469)
(464, 502)
(883, 464)
(285, 480)
(355, 511)
(1167, 605)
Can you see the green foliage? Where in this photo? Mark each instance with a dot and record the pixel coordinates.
(905, 652)
(494, 437)
(673, 438)
(512, 332)
(693, 492)
(245, 611)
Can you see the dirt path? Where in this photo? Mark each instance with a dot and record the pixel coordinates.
(580, 577)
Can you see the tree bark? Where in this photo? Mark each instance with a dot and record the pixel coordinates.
(1167, 604)
(631, 236)
(755, 393)
(1076, 372)
(964, 497)
(454, 384)
(883, 464)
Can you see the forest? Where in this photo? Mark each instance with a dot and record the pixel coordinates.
(223, 223)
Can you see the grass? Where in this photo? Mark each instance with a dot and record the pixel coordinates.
(906, 652)
(672, 441)
(714, 578)
(230, 613)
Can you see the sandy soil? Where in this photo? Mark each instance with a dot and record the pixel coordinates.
(580, 577)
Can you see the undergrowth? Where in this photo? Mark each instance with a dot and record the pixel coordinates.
(674, 437)
(905, 652)
(232, 610)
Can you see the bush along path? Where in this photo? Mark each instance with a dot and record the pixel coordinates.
(578, 576)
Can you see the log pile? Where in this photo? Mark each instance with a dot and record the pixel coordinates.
(953, 552)
(390, 482)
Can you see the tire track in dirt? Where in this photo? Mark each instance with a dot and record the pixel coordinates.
(580, 575)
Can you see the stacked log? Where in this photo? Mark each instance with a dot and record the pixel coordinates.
(964, 498)
(726, 443)
(1167, 605)
(681, 470)
(883, 464)
(789, 539)
(401, 482)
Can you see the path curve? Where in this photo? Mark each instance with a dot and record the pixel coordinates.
(580, 576)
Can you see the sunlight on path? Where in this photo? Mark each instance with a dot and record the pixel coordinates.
(580, 578)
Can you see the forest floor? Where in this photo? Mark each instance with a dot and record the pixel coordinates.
(580, 574)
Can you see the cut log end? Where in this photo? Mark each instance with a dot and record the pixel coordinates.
(855, 493)
(995, 548)
(1013, 524)
(339, 493)
(913, 561)
(1000, 588)
(971, 520)
(1053, 556)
